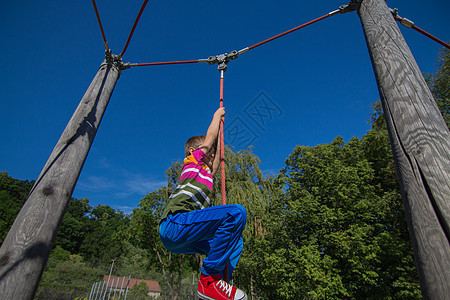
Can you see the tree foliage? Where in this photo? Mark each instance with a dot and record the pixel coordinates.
(139, 291)
(74, 228)
(13, 193)
(346, 231)
(105, 227)
(143, 232)
(66, 276)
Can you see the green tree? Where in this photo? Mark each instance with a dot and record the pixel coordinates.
(104, 234)
(139, 291)
(136, 261)
(246, 185)
(144, 232)
(340, 230)
(74, 226)
(13, 193)
(326, 211)
(66, 277)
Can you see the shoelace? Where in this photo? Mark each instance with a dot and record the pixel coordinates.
(225, 287)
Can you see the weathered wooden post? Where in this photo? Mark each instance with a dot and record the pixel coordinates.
(26, 248)
(420, 143)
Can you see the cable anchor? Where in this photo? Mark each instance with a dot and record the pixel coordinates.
(222, 60)
(345, 8)
(404, 21)
(114, 60)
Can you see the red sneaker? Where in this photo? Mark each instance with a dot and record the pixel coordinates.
(214, 288)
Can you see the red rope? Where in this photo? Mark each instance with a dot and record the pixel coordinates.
(222, 145)
(134, 27)
(246, 49)
(100, 24)
(222, 162)
(289, 31)
(431, 36)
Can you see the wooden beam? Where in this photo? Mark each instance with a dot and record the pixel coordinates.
(420, 143)
(26, 248)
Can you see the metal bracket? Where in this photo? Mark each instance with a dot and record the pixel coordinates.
(351, 6)
(404, 21)
(394, 12)
(222, 60)
(115, 60)
(345, 8)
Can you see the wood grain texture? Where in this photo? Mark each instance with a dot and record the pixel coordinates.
(420, 142)
(26, 248)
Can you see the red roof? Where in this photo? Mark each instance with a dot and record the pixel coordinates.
(116, 282)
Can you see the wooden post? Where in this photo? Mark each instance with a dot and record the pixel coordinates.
(26, 248)
(420, 143)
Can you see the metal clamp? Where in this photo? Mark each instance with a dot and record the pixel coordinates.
(345, 8)
(222, 60)
(351, 6)
(404, 21)
(394, 12)
(115, 60)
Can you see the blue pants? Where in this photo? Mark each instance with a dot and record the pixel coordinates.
(214, 231)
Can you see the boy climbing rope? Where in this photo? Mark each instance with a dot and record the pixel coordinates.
(188, 225)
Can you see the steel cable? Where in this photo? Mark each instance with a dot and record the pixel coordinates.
(134, 27)
(100, 24)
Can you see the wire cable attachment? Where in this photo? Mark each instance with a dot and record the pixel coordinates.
(115, 60)
(351, 6)
(169, 62)
(222, 60)
(410, 24)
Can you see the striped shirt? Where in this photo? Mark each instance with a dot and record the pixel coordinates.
(194, 187)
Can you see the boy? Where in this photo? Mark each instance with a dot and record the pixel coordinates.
(189, 226)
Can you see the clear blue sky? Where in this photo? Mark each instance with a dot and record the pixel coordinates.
(318, 82)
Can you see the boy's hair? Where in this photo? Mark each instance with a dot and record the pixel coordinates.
(196, 142)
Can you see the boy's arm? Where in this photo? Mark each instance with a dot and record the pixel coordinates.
(216, 162)
(213, 130)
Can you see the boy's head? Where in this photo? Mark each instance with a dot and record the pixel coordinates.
(195, 142)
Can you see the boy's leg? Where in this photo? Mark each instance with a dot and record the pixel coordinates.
(226, 245)
(234, 258)
(214, 231)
